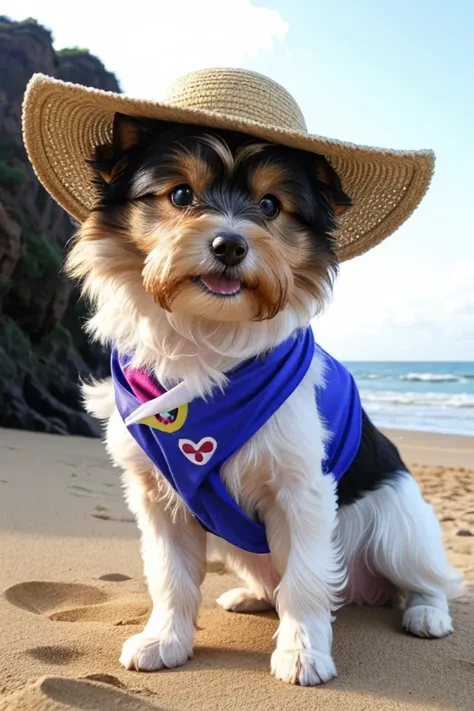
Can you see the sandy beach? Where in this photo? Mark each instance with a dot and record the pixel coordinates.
(72, 592)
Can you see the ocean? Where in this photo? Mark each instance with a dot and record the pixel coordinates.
(430, 397)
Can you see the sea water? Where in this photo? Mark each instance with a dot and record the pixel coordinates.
(424, 396)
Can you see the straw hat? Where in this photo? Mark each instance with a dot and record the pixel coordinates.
(63, 122)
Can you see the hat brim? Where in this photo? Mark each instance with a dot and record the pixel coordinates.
(64, 122)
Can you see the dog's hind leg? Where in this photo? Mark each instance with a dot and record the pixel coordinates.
(258, 575)
(399, 536)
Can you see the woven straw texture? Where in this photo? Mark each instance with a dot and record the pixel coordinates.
(62, 123)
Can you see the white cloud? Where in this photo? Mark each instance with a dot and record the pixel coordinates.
(149, 48)
(384, 314)
(442, 302)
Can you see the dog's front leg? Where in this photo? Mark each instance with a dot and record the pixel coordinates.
(174, 557)
(300, 533)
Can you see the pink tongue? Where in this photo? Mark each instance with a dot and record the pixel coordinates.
(221, 285)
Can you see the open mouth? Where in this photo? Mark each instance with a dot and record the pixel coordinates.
(219, 284)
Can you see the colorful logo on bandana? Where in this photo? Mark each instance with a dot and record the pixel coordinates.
(145, 389)
(171, 421)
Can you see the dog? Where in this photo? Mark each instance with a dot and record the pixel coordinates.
(206, 251)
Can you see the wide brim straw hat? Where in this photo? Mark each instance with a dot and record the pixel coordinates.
(64, 122)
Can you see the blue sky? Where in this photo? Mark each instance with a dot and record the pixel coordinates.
(384, 73)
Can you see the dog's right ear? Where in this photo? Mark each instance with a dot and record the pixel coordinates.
(110, 159)
(127, 132)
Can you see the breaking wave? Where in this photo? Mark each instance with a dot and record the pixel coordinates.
(435, 378)
(459, 400)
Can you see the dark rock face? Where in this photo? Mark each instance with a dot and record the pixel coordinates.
(74, 66)
(43, 349)
(10, 238)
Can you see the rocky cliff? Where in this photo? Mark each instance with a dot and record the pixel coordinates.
(43, 350)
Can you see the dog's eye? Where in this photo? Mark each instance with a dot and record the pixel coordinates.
(182, 196)
(270, 206)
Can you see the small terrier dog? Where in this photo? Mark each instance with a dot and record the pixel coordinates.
(206, 251)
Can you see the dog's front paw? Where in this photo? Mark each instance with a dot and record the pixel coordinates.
(144, 652)
(242, 600)
(427, 621)
(306, 667)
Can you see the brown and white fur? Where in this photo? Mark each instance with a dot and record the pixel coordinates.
(141, 255)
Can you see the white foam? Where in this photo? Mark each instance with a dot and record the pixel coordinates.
(456, 400)
(433, 378)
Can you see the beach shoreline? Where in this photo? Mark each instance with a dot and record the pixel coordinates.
(426, 396)
(72, 591)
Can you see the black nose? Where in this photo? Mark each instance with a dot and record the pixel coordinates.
(230, 249)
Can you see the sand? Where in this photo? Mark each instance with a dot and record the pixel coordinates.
(72, 592)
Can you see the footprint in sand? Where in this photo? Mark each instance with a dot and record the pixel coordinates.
(106, 517)
(100, 513)
(69, 602)
(54, 654)
(83, 492)
(73, 602)
(76, 487)
(57, 693)
(114, 577)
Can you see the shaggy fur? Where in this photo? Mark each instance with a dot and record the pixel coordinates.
(164, 289)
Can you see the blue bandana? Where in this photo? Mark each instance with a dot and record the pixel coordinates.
(191, 439)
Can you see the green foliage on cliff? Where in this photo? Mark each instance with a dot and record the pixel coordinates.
(40, 260)
(43, 361)
(6, 23)
(11, 178)
(17, 356)
(72, 50)
(50, 355)
(4, 20)
(39, 256)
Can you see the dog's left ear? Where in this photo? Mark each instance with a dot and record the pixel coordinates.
(331, 185)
